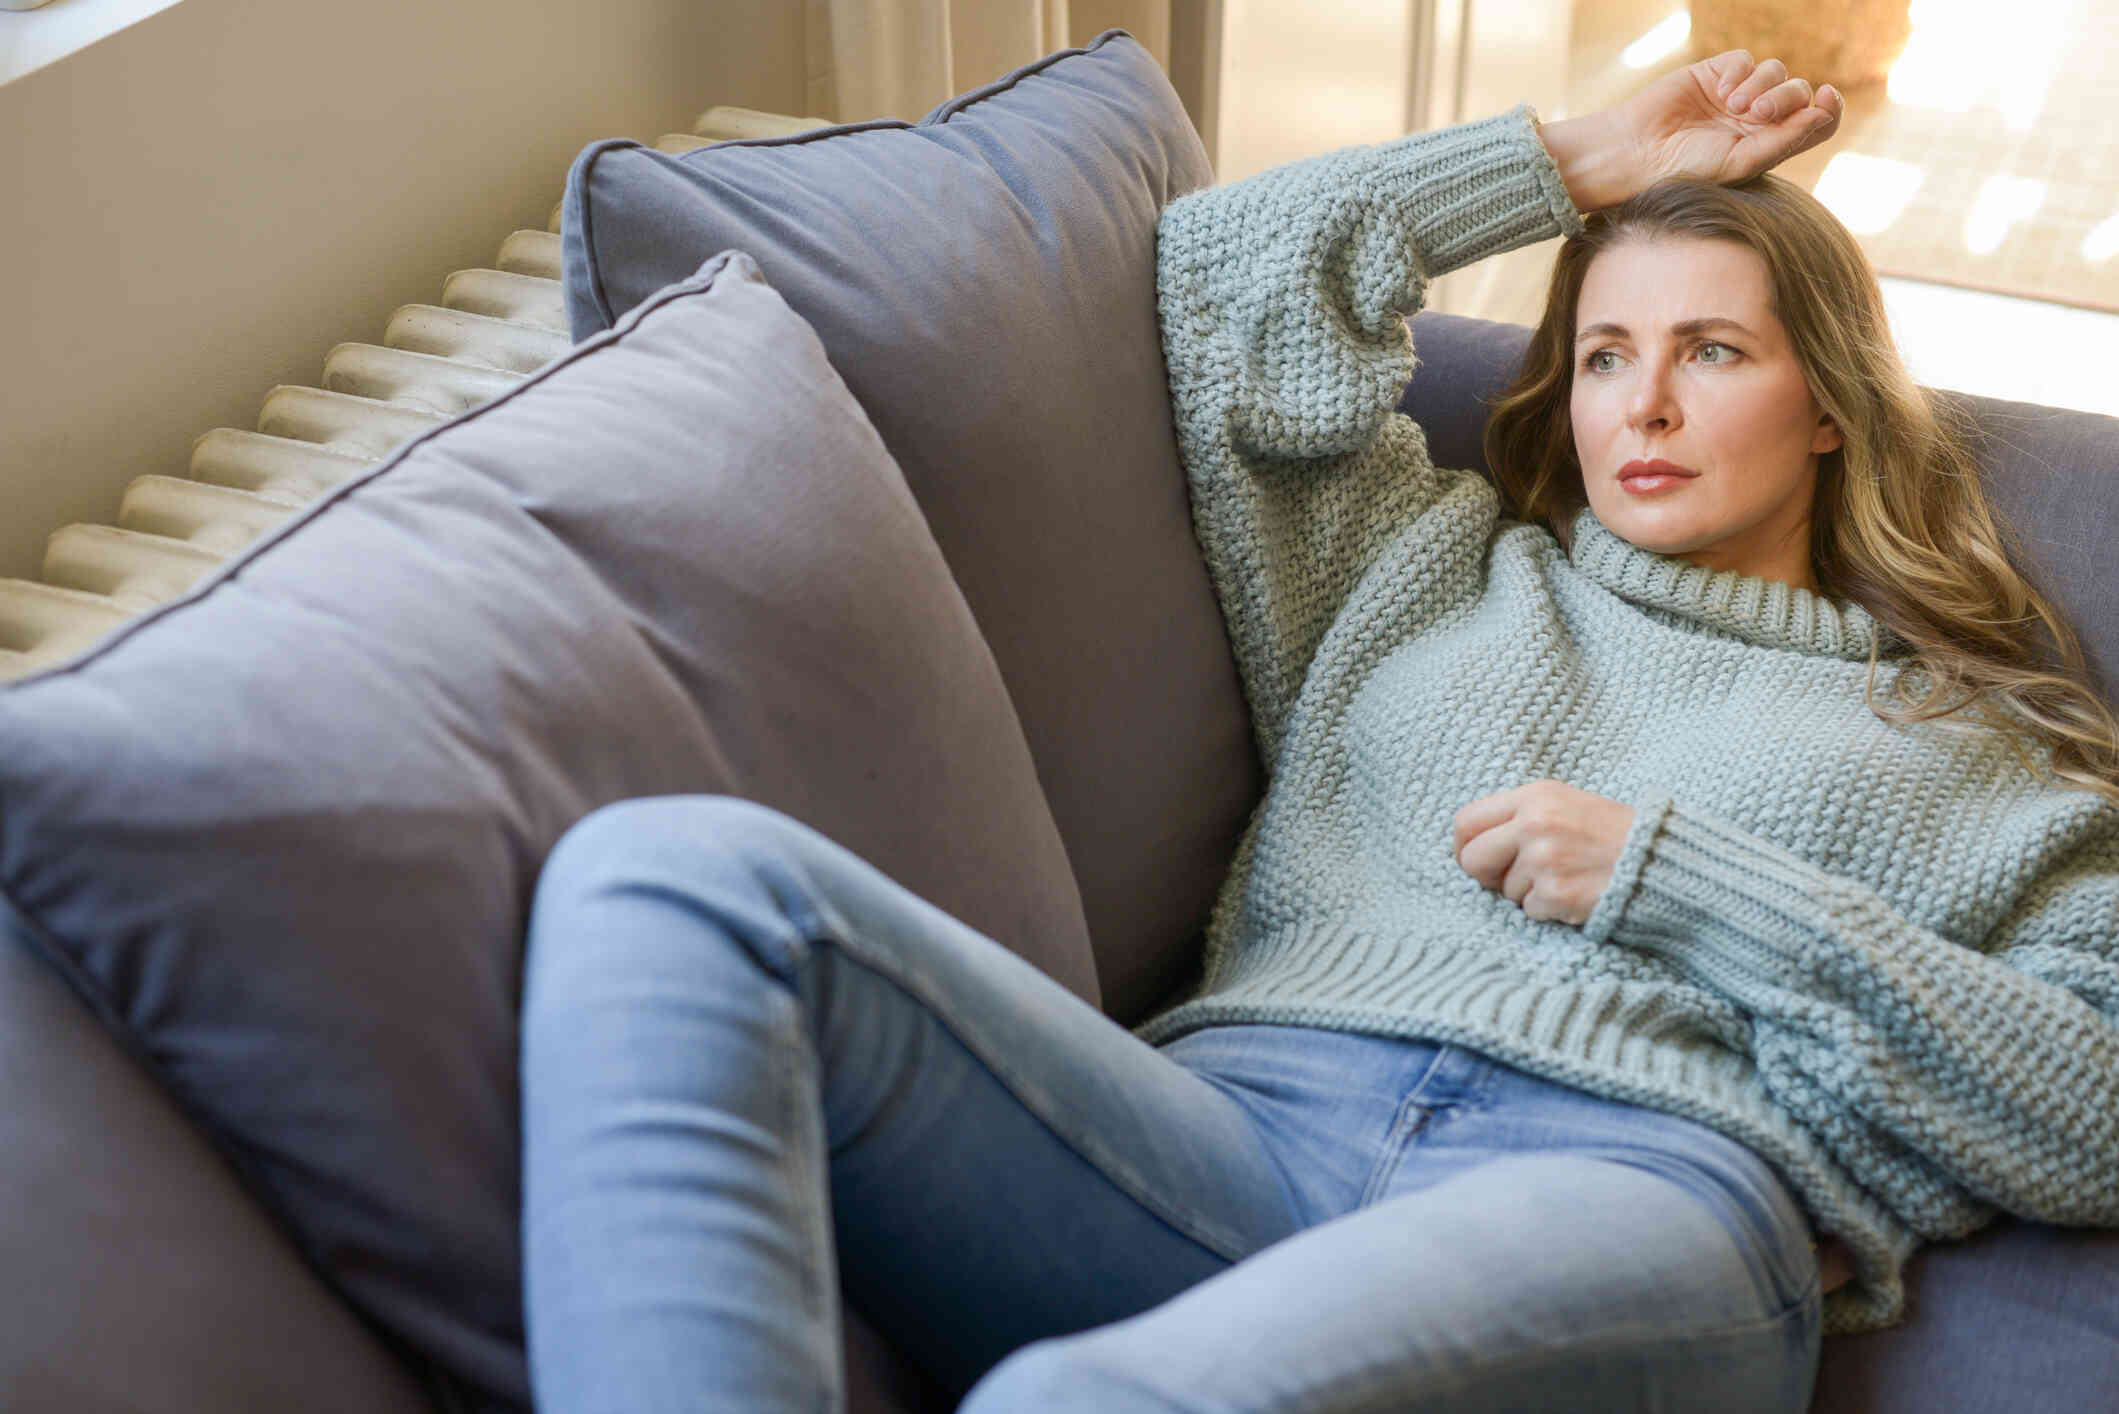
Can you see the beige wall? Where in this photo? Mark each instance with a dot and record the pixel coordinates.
(201, 205)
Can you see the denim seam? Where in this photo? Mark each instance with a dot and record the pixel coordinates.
(1410, 1120)
(1122, 1175)
(819, 1252)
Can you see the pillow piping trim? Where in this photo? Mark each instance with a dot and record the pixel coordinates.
(576, 197)
(45, 942)
(949, 108)
(698, 283)
(574, 209)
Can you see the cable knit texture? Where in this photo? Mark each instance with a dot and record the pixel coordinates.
(1882, 957)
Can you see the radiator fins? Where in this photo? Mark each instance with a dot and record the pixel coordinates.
(492, 329)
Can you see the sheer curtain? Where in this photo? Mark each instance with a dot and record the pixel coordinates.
(900, 58)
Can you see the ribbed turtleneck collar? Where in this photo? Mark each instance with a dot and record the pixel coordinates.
(1761, 611)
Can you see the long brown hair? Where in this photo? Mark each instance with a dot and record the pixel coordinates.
(1901, 525)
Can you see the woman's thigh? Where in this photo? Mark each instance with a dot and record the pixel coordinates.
(734, 1026)
(1519, 1246)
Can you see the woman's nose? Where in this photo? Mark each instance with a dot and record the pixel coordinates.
(1651, 400)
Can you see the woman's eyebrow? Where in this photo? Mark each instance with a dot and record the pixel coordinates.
(1681, 328)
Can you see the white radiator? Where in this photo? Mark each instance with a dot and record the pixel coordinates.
(492, 329)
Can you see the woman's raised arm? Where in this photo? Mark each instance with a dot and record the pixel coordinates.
(1283, 299)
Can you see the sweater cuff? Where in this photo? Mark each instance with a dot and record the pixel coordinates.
(1495, 187)
(1731, 911)
(1626, 871)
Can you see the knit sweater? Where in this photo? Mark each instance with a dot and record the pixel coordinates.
(1884, 958)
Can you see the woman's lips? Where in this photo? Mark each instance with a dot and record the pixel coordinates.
(1649, 484)
(1645, 478)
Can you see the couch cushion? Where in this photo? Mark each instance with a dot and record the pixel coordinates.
(2020, 1316)
(2054, 476)
(282, 834)
(132, 1254)
(985, 281)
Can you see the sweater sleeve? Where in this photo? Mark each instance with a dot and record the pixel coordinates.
(1283, 300)
(1934, 1070)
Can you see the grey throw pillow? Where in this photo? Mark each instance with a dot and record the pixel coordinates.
(282, 834)
(985, 280)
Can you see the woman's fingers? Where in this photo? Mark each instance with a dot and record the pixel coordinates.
(1730, 68)
(1764, 91)
(1777, 103)
(1832, 105)
(1752, 80)
(1490, 855)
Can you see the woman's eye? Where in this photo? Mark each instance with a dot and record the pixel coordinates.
(1726, 353)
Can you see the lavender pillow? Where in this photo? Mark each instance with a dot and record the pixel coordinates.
(282, 834)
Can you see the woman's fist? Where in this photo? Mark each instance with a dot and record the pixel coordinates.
(1549, 847)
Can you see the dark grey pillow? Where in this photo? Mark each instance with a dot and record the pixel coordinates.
(282, 834)
(985, 280)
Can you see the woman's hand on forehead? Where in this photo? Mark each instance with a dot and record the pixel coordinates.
(1724, 119)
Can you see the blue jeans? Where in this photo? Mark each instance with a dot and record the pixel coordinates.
(754, 1068)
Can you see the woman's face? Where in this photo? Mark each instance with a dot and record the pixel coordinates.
(1678, 358)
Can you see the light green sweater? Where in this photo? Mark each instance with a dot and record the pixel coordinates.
(1884, 958)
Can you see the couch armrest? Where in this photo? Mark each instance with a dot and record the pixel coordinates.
(140, 1274)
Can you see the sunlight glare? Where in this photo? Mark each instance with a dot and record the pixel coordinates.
(1962, 56)
(2102, 243)
(1867, 193)
(1659, 43)
(2001, 203)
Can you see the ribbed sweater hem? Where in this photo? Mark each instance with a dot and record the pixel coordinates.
(1610, 1038)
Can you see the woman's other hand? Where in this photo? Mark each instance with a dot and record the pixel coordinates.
(1723, 119)
(1549, 847)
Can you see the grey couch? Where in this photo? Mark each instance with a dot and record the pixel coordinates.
(168, 1249)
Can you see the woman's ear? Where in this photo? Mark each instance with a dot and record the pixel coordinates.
(1826, 438)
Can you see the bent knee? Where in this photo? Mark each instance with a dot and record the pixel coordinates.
(713, 869)
(622, 833)
(676, 842)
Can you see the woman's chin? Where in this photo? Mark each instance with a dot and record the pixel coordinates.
(1662, 530)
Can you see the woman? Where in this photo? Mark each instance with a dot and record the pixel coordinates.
(1597, 941)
